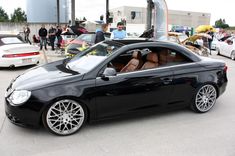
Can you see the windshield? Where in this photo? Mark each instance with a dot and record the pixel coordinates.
(11, 40)
(92, 57)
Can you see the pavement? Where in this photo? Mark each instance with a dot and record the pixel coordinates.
(176, 133)
(51, 55)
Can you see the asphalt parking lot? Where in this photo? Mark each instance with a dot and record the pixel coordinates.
(175, 133)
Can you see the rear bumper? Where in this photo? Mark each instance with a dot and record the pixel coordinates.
(21, 61)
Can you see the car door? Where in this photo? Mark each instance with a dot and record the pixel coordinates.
(222, 47)
(133, 91)
(228, 47)
(185, 78)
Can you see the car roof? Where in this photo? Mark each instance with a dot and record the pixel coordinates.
(133, 40)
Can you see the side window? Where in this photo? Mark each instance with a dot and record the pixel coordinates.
(146, 58)
(169, 57)
(129, 61)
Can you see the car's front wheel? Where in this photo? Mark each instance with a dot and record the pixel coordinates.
(204, 98)
(64, 117)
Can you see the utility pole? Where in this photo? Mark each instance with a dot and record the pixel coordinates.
(107, 11)
(72, 12)
(149, 14)
(58, 12)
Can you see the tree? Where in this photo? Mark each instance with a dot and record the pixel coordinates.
(18, 16)
(221, 23)
(3, 15)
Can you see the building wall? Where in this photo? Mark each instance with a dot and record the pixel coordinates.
(18, 28)
(45, 11)
(184, 18)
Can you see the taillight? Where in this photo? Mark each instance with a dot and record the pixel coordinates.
(225, 68)
(20, 55)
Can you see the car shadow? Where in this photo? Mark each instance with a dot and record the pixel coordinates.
(139, 117)
(16, 68)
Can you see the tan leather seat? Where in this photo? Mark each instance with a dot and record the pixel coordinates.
(152, 61)
(134, 64)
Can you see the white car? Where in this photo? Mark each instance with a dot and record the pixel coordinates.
(227, 47)
(213, 44)
(14, 52)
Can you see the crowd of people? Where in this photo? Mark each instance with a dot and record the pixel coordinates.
(45, 36)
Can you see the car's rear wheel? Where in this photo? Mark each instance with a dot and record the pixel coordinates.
(204, 99)
(64, 117)
(233, 55)
(218, 51)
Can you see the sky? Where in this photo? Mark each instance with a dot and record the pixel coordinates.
(92, 9)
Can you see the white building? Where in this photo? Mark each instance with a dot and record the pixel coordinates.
(182, 18)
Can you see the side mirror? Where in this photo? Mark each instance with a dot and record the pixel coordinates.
(108, 72)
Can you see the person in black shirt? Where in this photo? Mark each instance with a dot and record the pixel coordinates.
(52, 35)
(26, 34)
(100, 33)
(210, 32)
(43, 37)
(58, 35)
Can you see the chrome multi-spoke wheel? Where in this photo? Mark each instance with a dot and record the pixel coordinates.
(64, 117)
(205, 98)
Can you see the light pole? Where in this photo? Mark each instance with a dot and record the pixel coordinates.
(149, 14)
(72, 12)
(58, 12)
(107, 11)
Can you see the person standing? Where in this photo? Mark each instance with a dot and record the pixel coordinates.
(26, 34)
(58, 36)
(119, 33)
(43, 37)
(100, 33)
(210, 32)
(52, 35)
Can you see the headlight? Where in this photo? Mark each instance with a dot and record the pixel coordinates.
(19, 96)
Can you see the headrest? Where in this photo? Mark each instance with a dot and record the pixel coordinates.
(136, 54)
(152, 57)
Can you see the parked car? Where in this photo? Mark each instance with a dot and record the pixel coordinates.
(227, 47)
(14, 52)
(82, 42)
(177, 37)
(67, 38)
(113, 78)
(213, 44)
(190, 42)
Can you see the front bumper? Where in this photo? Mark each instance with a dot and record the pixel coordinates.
(22, 115)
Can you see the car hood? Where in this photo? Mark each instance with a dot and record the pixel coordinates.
(44, 76)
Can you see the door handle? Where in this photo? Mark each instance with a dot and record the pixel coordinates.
(166, 80)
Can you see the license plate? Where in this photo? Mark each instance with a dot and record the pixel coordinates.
(28, 60)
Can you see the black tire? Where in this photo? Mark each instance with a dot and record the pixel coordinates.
(204, 99)
(232, 55)
(64, 117)
(218, 51)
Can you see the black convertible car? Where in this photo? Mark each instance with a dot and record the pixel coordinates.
(111, 79)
